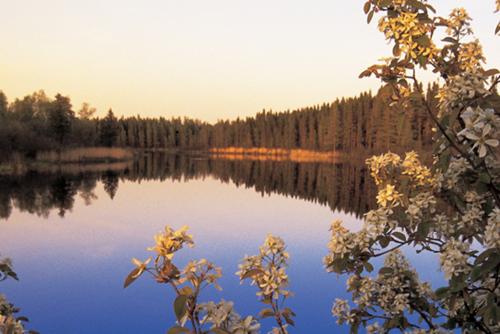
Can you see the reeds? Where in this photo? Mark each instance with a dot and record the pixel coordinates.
(86, 154)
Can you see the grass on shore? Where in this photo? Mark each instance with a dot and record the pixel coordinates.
(85, 155)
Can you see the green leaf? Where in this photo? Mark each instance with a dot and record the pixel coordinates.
(368, 267)
(131, 277)
(484, 255)
(450, 40)
(180, 307)
(424, 41)
(384, 242)
(442, 292)
(386, 271)
(399, 236)
(178, 330)
(484, 178)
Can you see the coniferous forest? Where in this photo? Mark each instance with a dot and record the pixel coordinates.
(366, 122)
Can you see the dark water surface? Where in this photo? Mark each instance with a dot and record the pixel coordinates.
(72, 231)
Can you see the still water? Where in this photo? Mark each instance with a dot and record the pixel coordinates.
(72, 231)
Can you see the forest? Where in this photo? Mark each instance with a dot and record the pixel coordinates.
(366, 122)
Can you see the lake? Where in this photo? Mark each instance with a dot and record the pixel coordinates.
(71, 232)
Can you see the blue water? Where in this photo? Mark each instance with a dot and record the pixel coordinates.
(72, 268)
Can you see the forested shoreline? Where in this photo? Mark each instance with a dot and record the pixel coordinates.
(363, 123)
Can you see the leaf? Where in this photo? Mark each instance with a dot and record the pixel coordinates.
(289, 311)
(424, 41)
(442, 292)
(491, 72)
(368, 267)
(131, 277)
(450, 40)
(251, 273)
(385, 3)
(484, 255)
(289, 320)
(431, 8)
(399, 236)
(484, 178)
(370, 16)
(386, 271)
(266, 313)
(365, 73)
(178, 330)
(384, 242)
(366, 7)
(396, 51)
(180, 307)
(186, 291)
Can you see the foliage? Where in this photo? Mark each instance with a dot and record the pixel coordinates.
(9, 321)
(266, 269)
(452, 210)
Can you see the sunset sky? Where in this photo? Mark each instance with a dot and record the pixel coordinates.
(206, 59)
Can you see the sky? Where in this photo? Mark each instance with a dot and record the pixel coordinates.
(217, 59)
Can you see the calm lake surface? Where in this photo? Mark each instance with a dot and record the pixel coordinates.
(72, 231)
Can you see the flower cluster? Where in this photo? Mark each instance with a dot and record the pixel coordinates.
(454, 258)
(492, 231)
(481, 128)
(9, 324)
(268, 269)
(222, 316)
(460, 90)
(391, 291)
(470, 56)
(170, 241)
(201, 272)
(458, 23)
(409, 33)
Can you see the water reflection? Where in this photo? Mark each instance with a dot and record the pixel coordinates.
(72, 264)
(343, 187)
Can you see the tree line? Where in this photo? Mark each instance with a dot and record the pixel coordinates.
(365, 122)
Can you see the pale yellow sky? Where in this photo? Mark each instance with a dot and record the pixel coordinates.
(198, 58)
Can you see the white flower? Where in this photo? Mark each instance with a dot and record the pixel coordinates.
(492, 231)
(453, 258)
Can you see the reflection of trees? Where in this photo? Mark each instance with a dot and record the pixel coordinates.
(62, 194)
(110, 182)
(342, 186)
(87, 190)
